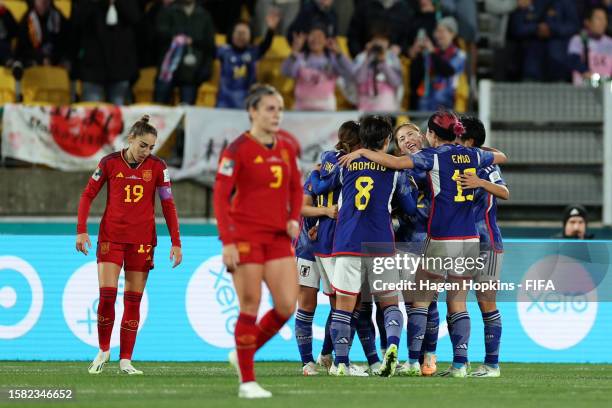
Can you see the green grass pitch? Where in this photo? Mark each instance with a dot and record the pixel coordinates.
(202, 385)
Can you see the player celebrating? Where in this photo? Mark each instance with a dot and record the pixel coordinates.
(256, 225)
(451, 231)
(127, 235)
(490, 185)
(364, 219)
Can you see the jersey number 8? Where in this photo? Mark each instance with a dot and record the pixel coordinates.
(364, 185)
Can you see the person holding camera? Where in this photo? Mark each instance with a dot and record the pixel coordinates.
(316, 63)
(435, 70)
(378, 75)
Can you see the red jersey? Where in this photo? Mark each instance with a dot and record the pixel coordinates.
(129, 216)
(267, 185)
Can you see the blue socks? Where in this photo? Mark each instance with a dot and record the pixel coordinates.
(417, 322)
(366, 333)
(303, 334)
(380, 323)
(460, 336)
(492, 334)
(394, 324)
(328, 345)
(341, 335)
(430, 342)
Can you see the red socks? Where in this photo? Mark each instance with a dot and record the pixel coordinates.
(106, 316)
(129, 323)
(268, 326)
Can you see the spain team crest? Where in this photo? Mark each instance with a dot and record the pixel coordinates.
(104, 247)
(285, 155)
(147, 175)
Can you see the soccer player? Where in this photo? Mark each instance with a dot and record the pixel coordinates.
(127, 235)
(489, 186)
(412, 232)
(258, 199)
(364, 218)
(326, 183)
(309, 276)
(451, 231)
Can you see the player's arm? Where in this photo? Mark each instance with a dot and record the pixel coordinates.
(295, 198)
(225, 181)
(310, 210)
(498, 189)
(164, 191)
(323, 185)
(92, 189)
(387, 160)
(406, 193)
(499, 157)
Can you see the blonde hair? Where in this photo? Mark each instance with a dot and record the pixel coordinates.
(409, 125)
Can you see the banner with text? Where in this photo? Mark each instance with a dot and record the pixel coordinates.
(76, 138)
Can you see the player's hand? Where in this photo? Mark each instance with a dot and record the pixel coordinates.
(293, 229)
(312, 233)
(349, 157)
(176, 254)
(82, 243)
(231, 257)
(470, 180)
(332, 212)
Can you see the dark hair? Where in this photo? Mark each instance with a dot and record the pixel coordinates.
(445, 125)
(589, 13)
(230, 33)
(380, 29)
(374, 131)
(258, 91)
(348, 136)
(142, 127)
(474, 129)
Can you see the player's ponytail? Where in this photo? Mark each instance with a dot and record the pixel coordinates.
(445, 125)
(348, 136)
(142, 127)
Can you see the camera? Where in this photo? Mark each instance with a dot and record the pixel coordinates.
(377, 50)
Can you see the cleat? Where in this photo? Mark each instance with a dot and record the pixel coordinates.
(325, 360)
(232, 357)
(99, 362)
(409, 369)
(486, 370)
(454, 372)
(126, 367)
(310, 369)
(374, 368)
(357, 371)
(339, 371)
(389, 362)
(252, 390)
(429, 367)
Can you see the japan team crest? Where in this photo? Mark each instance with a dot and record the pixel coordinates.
(304, 271)
(147, 175)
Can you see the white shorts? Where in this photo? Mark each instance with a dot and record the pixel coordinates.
(355, 274)
(493, 265)
(447, 257)
(326, 267)
(308, 273)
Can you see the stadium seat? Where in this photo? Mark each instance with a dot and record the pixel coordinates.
(343, 44)
(7, 86)
(17, 8)
(46, 84)
(269, 69)
(220, 39)
(462, 95)
(64, 6)
(207, 93)
(144, 87)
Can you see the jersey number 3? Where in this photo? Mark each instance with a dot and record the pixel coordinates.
(460, 198)
(364, 185)
(277, 172)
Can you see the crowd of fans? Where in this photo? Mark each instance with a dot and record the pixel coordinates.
(104, 43)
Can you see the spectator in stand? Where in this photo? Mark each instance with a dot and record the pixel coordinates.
(590, 52)
(466, 14)
(43, 36)
(316, 63)
(288, 10)
(396, 15)
(238, 59)
(505, 65)
(107, 57)
(575, 222)
(187, 44)
(147, 39)
(584, 6)
(378, 75)
(435, 71)
(8, 32)
(315, 12)
(544, 28)
(224, 13)
(425, 18)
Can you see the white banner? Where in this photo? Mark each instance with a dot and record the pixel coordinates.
(76, 138)
(208, 131)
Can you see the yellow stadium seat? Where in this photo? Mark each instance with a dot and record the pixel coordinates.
(46, 84)
(17, 8)
(64, 6)
(462, 95)
(343, 45)
(406, 75)
(144, 87)
(280, 48)
(220, 39)
(7, 86)
(269, 69)
(207, 93)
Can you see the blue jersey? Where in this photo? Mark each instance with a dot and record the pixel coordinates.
(413, 228)
(365, 207)
(451, 215)
(485, 210)
(326, 184)
(237, 74)
(303, 245)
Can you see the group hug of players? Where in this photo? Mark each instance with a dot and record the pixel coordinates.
(360, 204)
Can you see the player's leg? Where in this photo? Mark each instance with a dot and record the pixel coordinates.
(380, 324)
(110, 259)
(459, 329)
(430, 342)
(308, 277)
(135, 282)
(394, 324)
(367, 333)
(326, 266)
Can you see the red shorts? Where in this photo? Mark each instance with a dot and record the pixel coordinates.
(132, 257)
(269, 247)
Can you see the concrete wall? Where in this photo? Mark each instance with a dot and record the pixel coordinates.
(41, 192)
